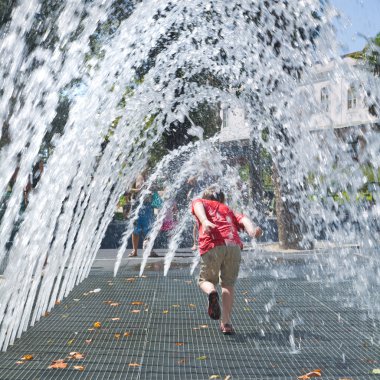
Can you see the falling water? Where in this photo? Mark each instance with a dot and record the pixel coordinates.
(130, 73)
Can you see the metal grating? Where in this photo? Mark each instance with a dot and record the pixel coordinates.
(171, 335)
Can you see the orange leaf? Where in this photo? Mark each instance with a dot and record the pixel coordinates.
(135, 311)
(58, 364)
(309, 375)
(127, 333)
(78, 368)
(117, 336)
(97, 325)
(27, 357)
(179, 344)
(137, 303)
(76, 355)
(134, 365)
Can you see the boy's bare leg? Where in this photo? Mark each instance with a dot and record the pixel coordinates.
(227, 303)
(207, 287)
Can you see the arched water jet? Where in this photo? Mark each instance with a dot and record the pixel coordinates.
(254, 56)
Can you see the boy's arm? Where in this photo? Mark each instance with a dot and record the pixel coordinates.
(251, 228)
(200, 213)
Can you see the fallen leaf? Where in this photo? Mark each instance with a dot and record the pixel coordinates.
(58, 364)
(214, 377)
(345, 378)
(248, 300)
(117, 336)
(76, 299)
(127, 333)
(107, 302)
(134, 365)
(78, 368)
(179, 344)
(204, 357)
(228, 377)
(115, 319)
(245, 292)
(137, 303)
(165, 312)
(95, 291)
(181, 361)
(131, 279)
(114, 304)
(135, 311)
(176, 305)
(91, 329)
(88, 341)
(203, 326)
(97, 325)
(192, 305)
(20, 362)
(70, 342)
(375, 371)
(27, 357)
(76, 355)
(309, 375)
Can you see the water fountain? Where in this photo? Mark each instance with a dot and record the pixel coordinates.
(128, 74)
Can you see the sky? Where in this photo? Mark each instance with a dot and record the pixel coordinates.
(359, 17)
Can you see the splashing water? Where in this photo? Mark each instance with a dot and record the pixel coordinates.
(130, 75)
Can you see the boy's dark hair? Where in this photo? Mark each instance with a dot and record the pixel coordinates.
(213, 193)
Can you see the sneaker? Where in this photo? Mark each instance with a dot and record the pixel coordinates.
(226, 329)
(213, 305)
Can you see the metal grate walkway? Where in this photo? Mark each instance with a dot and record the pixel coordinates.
(157, 327)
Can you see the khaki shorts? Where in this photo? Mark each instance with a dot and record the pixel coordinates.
(220, 264)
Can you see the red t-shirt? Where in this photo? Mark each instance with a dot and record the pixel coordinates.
(227, 226)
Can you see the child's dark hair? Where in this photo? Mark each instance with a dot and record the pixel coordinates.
(213, 193)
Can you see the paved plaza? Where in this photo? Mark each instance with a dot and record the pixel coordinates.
(157, 327)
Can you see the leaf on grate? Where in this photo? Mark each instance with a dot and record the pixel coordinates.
(228, 377)
(114, 304)
(375, 371)
(88, 341)
(58, 364)
(248, 300)
(27, 357)
(20, 362)
(78, 368)
(135, 311)
(117, 336)
(179, 343)
(70, 342)
(192, 305)
(137, 303)
(76, 355)
(115, 319)
(181, 361)
(97, 325)
(176, 305)
(108, 302)
(309, 375)
(127, 333)
(134, 365)
(203, 326)
(131, 279)
(214, 377)
(165, 312)
(204, 357)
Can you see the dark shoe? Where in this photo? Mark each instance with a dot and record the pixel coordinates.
(226, 329)
(153, 254)
(213, 305)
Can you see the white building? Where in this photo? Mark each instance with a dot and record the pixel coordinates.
(338, 101)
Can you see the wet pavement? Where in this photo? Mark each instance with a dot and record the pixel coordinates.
(157, 327)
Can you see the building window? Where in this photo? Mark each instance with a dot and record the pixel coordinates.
(325, 99)
(225, 117)
(352, 97)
